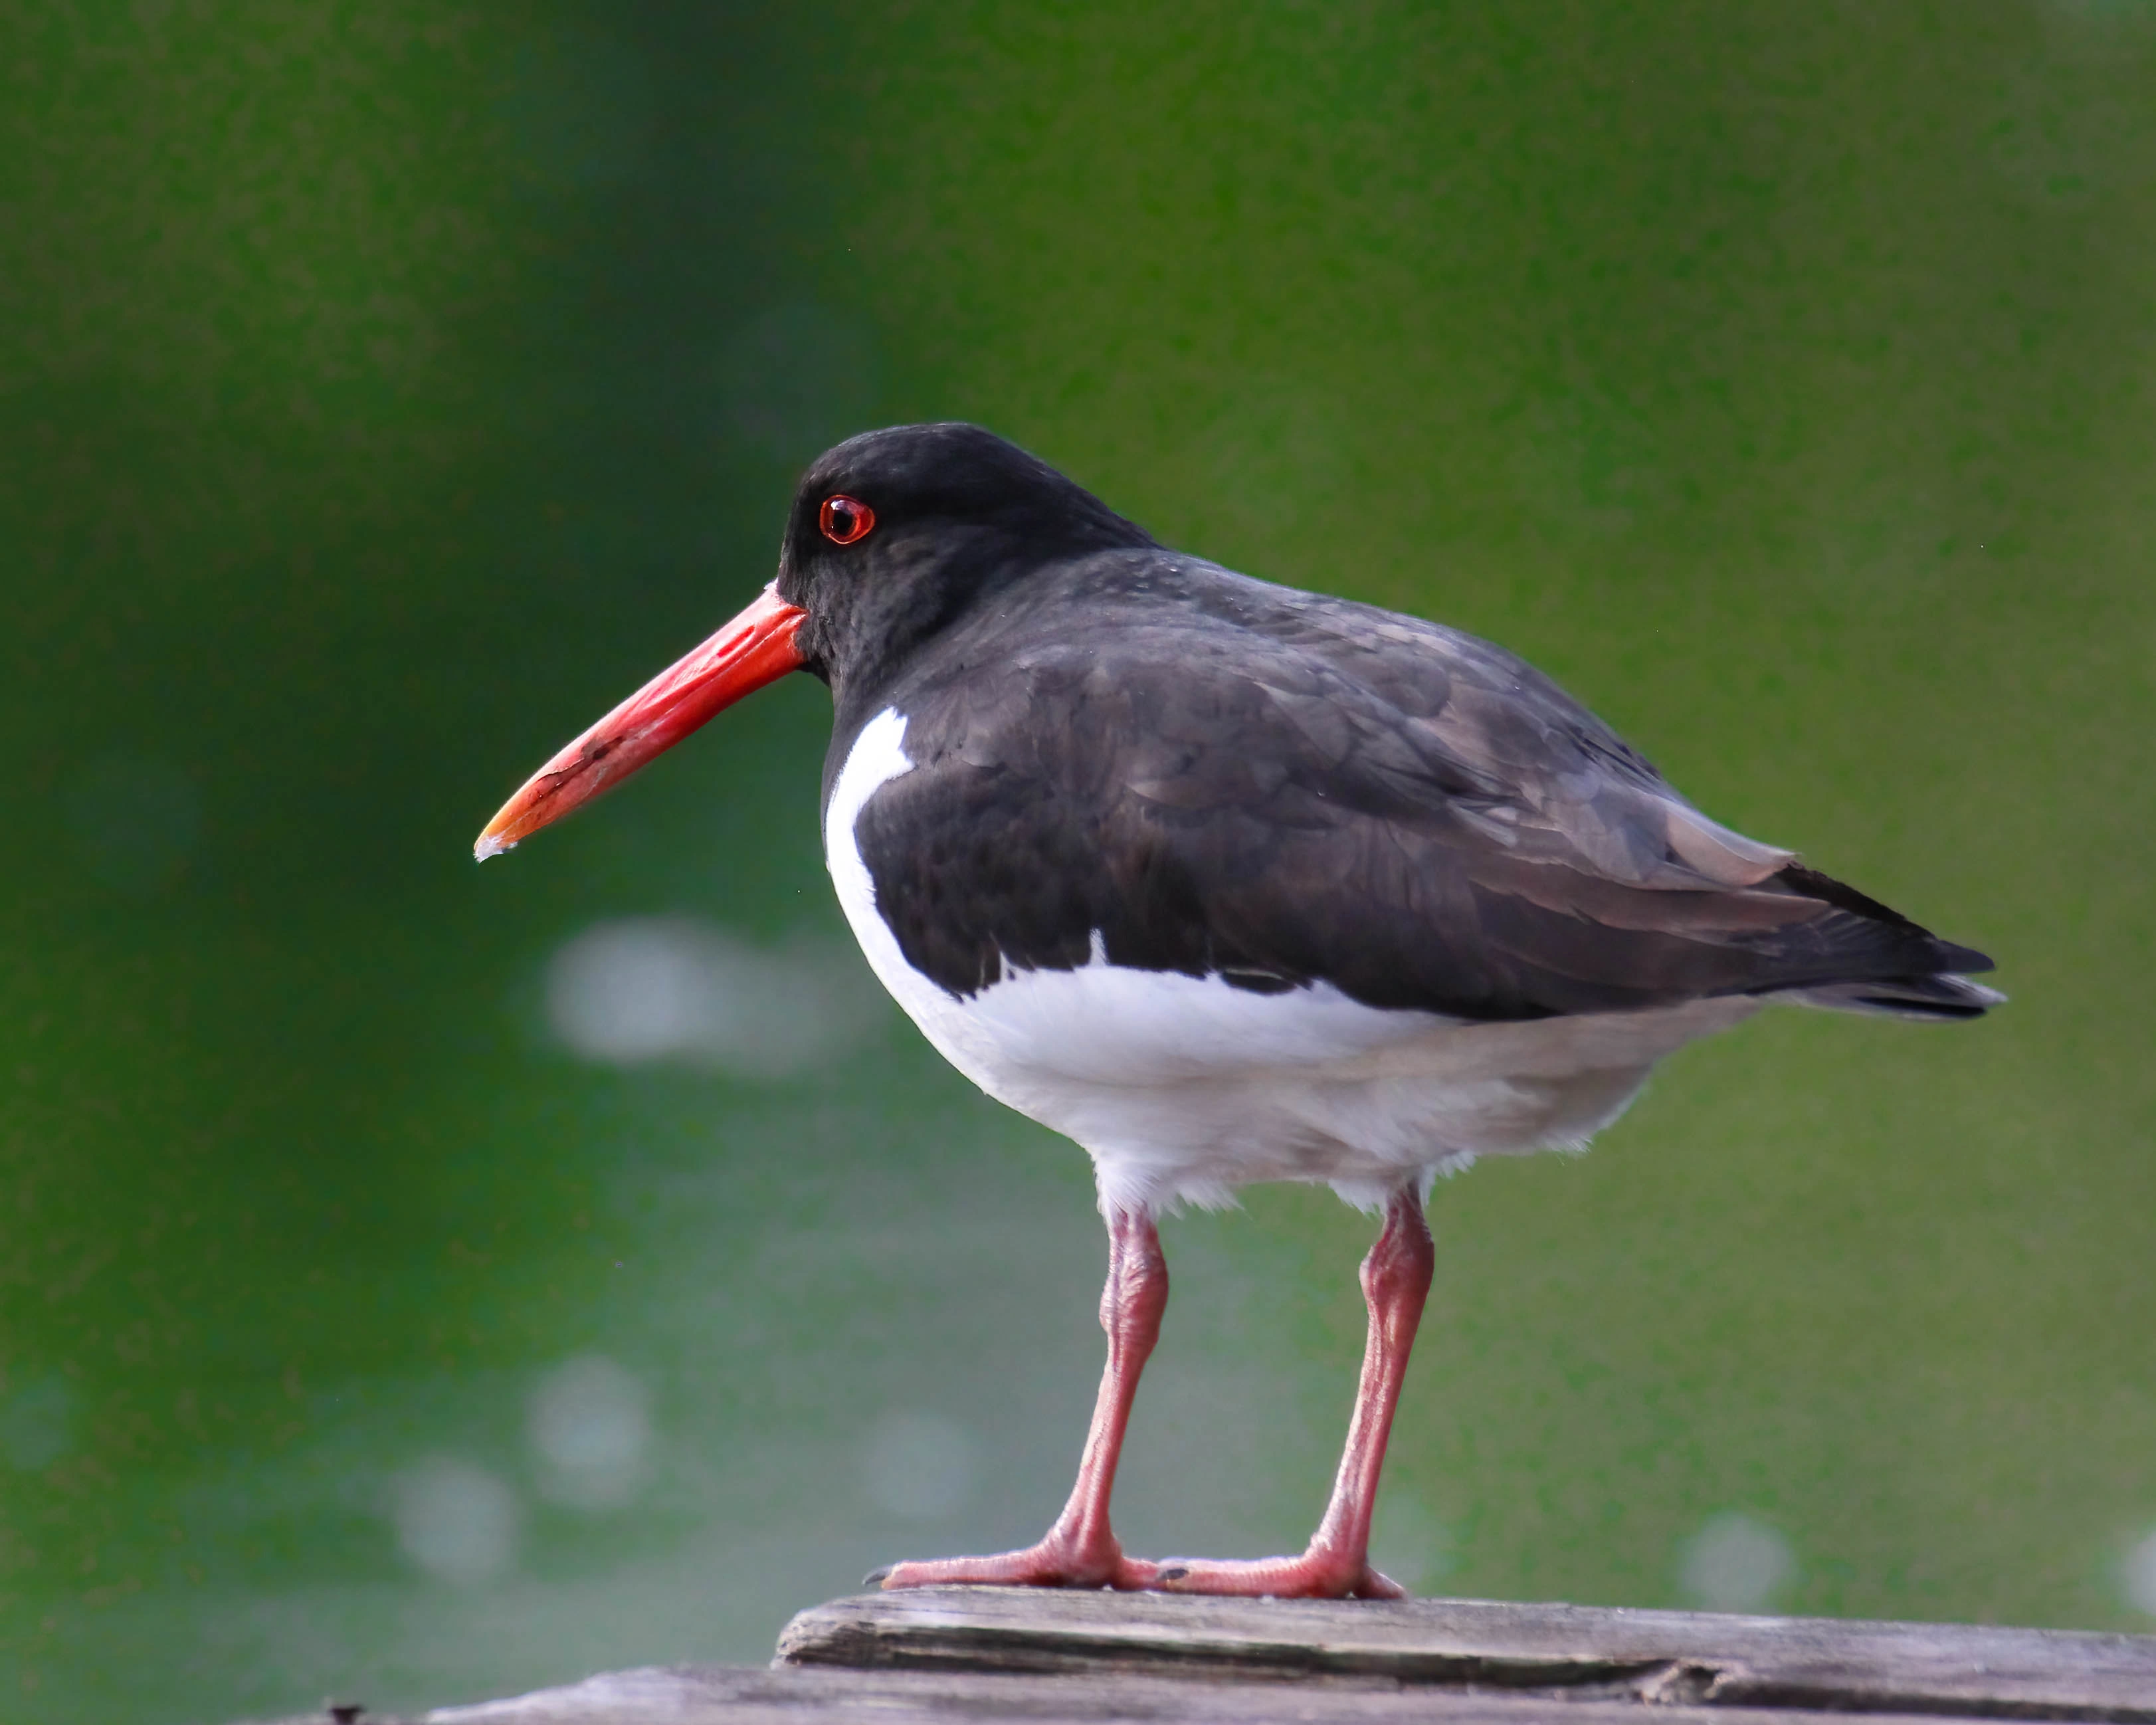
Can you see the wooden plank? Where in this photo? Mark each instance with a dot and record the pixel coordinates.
(1671, 1657)
(747, 1695)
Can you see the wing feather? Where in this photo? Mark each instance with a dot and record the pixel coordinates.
(1324, 791)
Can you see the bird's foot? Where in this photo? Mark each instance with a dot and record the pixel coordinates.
(1055, 1562)
(1316, 1574)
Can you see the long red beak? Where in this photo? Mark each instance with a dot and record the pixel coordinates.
(755, 648)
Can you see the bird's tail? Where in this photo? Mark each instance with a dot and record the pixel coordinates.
(1944, 996)
(1918, 974)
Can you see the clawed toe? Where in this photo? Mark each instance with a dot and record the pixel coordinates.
(1310, 1577)
(1044, 1565)
(1375, 1584)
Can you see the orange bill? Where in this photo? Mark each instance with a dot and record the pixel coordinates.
(756, 647)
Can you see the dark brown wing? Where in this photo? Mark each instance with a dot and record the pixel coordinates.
(1221, 776)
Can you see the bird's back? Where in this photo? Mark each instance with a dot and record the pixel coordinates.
(1213, 776)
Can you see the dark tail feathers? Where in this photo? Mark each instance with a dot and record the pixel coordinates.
(1904, 997)
(1943, 993)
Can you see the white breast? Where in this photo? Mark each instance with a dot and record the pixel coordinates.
(1185, 1087)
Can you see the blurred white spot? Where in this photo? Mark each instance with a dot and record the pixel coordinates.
(919, 1466)
(2138, 1574)
(1407, 1543)
(456, 1522)
(590, 1420)
(1735, 1563)
(136, 821)
(796, 380)
(652, 989)
(37, 1424)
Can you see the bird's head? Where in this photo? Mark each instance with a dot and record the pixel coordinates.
(893, 536)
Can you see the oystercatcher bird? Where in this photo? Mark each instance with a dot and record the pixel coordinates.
(1229, 882)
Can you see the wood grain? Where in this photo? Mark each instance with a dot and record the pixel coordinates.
(943, 1655)
(1585, 1654)
(747, 1695)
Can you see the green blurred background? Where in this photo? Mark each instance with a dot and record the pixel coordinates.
(421, 1281)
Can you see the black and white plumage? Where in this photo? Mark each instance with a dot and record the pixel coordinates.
(1233, 882)
(1229, 882)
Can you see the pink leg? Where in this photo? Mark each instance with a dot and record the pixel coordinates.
(1395, 1283)
(1081, 1550)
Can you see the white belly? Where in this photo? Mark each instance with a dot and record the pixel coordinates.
(1185, 1087)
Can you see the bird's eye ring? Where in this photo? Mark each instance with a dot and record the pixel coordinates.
(844, 520)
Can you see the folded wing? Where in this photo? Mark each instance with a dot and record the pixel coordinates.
(1331, 792)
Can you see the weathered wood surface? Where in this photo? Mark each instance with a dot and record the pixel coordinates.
(942, 1655)
(1680, 1658)
(751, 1695)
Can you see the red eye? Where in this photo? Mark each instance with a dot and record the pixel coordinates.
(845, 519)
